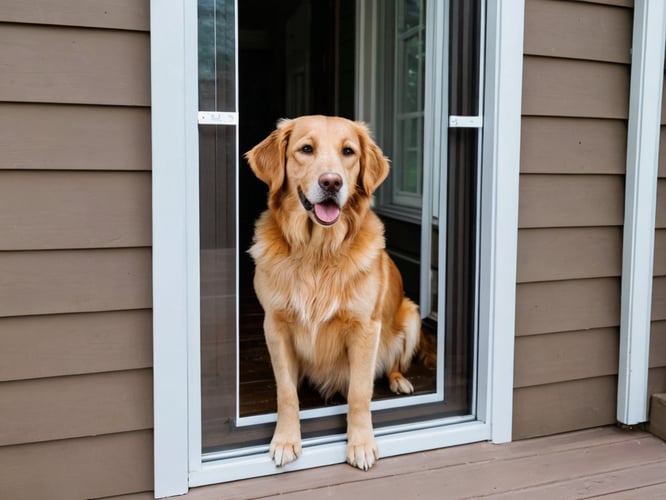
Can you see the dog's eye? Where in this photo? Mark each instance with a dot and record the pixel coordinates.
(307, 149)
(347, 151)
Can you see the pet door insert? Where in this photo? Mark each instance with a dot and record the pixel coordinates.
(261, 60)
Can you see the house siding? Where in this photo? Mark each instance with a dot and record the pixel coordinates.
(75, 257)
(574, 127)
(657, 362)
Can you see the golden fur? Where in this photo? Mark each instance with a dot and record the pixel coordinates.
(335, 310)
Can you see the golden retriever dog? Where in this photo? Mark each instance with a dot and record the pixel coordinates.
(335, 310)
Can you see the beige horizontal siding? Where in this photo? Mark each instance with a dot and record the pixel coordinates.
(77, 469)
(83, 405)
(561, 407)
(575, 88)
(657, 380)
(658, 344)
(117, 14)
(559, 357)
(555, 145)
(577, 30)
(571, 200)
(659, 298)
(74, 65)
(68, 281)
(75, 258)
(661, 204)
(569, 253)
(657, 373)
(70, 344)
(74, 137)
(618, 3)
(660, 252)
(560, 306)
(50, 210)
(662, 148)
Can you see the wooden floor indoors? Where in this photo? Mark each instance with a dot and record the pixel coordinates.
(607, 463)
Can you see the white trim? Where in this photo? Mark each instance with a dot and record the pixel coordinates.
(647, 72)
(341, 409)
(337, 438)
(499, 213)
(317, 455)
(174, 147)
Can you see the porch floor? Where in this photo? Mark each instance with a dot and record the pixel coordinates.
(603, 462)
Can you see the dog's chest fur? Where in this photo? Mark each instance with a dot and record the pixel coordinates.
(316, 292)
(314, 285)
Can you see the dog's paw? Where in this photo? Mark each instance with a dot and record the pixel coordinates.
(284, 451)
(362, 455)
(399, 384)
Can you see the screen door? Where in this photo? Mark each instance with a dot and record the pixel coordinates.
(410, 68)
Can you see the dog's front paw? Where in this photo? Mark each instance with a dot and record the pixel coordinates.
(362, 455)
(285, 449)
(399, 384)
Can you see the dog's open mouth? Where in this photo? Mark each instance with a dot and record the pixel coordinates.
(326, 212)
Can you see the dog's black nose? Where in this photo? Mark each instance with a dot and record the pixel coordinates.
(330, 182)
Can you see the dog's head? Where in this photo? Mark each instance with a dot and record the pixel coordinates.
(325, 162)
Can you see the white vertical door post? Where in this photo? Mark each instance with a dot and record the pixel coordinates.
(174, 149)
(647, 72)
(499, 226)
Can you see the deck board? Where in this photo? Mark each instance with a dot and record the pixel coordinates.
(631, 479)
(585, 464)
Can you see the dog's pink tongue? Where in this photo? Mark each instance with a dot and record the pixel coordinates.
(327, 212)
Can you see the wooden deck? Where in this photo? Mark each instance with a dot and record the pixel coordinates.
(606, 462)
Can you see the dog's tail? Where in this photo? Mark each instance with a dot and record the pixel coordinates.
(427, 349)
(417, 343)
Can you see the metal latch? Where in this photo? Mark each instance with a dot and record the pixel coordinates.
(465, 121)
(217, 118)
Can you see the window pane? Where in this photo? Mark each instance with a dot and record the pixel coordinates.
(411, 157)
(411, 71)
(409, 64)
(217, 209)
(465, 56)
(217, 220)
(217, 55)
(409, 14)
(461, 250)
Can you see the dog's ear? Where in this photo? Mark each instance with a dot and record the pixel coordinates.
(374, 165)
(267, 159)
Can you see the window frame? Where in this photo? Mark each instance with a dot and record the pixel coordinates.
(177, 446)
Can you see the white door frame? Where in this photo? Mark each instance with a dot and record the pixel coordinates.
(176, 265)
(499, 211)
(174, 90)
(647, 74)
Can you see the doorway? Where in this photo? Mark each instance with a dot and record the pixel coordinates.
(301, 56)
(292, 58)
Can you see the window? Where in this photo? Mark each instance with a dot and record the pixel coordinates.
(409, 76)
(189, 450)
